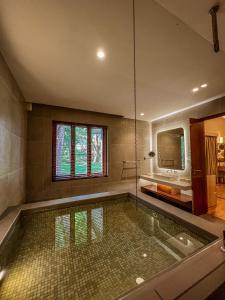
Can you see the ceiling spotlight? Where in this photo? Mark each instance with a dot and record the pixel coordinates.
(195, 90)
(101, 54)
(142, 114)
(144, 255)
(204, 85)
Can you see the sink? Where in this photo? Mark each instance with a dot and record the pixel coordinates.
(170, 177)
(173, 180)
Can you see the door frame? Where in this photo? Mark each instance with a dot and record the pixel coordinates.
(193, 121)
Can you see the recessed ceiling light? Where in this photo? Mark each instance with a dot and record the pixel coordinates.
(100, 54)
(195, 90)
(142, 114)
(204, 85)
(145, 255)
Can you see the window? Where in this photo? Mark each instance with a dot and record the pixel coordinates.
(79, 151)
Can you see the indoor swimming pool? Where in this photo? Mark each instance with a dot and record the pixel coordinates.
(95, 251)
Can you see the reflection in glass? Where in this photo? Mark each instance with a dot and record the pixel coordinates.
(182, 153)
(171, 149)
(62, 231)
(81, 227)
(97, 224)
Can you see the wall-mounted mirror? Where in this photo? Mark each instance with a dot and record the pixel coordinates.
(170, 149)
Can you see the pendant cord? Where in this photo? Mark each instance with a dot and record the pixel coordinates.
(135, 97)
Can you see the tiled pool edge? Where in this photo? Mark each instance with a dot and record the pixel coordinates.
(186, 282)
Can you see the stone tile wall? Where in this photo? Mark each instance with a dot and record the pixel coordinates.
(12, 140)
(120, 148)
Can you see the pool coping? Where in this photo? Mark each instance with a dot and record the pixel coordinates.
(203, 269)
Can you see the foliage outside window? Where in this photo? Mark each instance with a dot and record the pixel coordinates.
(79, 151)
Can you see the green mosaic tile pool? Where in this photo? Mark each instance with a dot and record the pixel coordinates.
(94, 251)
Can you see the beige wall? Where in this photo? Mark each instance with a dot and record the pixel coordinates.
(12, 140)
(120, 147)
(182, 120)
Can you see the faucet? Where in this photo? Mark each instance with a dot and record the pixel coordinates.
(171, 171)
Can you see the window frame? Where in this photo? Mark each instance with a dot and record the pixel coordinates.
(72, 175)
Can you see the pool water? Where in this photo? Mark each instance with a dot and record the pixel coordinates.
(97, 251)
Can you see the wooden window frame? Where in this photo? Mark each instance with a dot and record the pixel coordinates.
(72, 175)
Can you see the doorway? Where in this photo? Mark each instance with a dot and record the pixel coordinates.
(215, 165)
(208, 165)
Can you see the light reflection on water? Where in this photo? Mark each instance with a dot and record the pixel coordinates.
(88, 227)
(82, 232)
(62, 231)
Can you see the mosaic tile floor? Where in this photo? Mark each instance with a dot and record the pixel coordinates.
(93, 251)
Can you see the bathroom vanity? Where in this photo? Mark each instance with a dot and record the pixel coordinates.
(169, 185)
(175, 182)
(169, 188)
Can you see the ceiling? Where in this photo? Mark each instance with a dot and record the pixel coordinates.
(195, 14)
(50, 47)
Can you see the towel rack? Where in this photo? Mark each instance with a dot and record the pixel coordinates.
(130, 165)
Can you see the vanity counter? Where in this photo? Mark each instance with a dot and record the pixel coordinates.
(175, 183)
